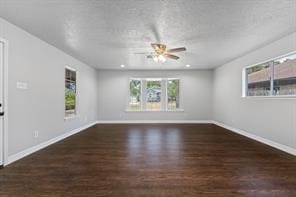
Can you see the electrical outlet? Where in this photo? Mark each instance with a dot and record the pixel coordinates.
(36, 134)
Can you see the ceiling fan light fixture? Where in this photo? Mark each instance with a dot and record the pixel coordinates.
(155, 58)
(161, 58)
(161, 54)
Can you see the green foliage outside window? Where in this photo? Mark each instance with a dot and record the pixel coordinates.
(70, 91)
(135, 95)
(135, 89)
(173, 89)
(173, 94)
(70, 98)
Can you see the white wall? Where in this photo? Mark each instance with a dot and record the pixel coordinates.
(273, 119)
(41, 107)
(196, 95)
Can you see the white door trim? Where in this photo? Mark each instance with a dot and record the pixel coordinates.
(5, 102)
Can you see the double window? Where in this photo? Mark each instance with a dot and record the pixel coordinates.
(272, 78)
(70, 92)
(154, 94)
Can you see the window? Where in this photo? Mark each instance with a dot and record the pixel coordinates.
(135, 94)
(70, 92)
(154, 94)
(285, 76)
(259, 80)
(274, 78)
(173, 94)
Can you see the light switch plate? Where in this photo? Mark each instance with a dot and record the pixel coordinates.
(22, 85)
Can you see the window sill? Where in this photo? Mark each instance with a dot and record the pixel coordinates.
(70, 117)
(270, 97)
(161, 110)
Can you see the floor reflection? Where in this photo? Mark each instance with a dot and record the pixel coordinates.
(154, 146)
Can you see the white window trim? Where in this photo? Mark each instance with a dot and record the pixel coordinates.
(76, 114)
(164, 81)
(271, 96)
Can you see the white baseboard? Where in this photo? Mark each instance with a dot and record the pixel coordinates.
(154, 122)
(259, 139)
(37, 147)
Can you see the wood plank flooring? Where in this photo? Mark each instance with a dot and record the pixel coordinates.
(153, 160)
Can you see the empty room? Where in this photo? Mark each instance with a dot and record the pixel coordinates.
(148, 98)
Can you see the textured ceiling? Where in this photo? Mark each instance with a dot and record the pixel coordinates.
(108, 33)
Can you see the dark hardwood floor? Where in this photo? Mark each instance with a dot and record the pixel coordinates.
(153, 160)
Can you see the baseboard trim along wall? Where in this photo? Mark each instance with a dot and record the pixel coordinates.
(154, 122)
(276, 145)
(38, 147)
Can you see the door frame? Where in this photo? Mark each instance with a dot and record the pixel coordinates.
(5, 101)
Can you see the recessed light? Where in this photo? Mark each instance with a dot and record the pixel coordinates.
(122, 66)
(187, 65)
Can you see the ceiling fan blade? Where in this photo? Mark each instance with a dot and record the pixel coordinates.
(171, 56)
(176, 50)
